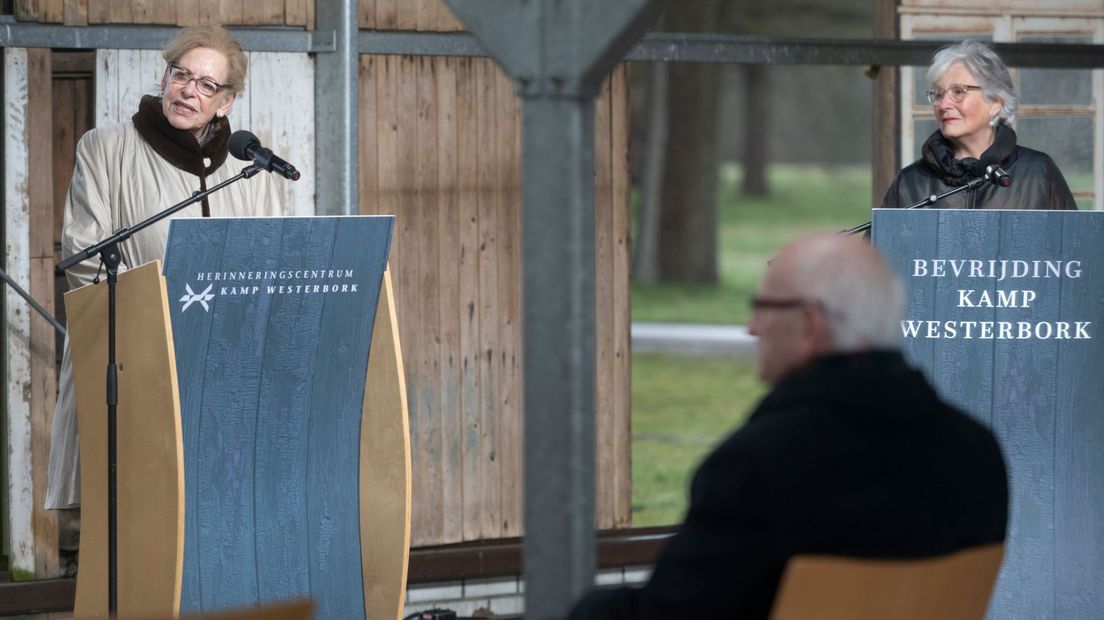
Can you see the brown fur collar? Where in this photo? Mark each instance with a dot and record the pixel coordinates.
(178, 147)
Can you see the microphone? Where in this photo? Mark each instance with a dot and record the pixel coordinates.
(246, 146)
(997, 176)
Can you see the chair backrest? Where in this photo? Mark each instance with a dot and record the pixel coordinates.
(950, 587)
(291, 610)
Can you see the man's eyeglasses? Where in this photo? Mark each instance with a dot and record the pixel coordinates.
(206, 86)
(957, 92)
(758, 304)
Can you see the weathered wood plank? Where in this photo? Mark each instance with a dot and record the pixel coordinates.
(490, 467)
(603, 311)
(511, 352)
(210, 12)
(367, 14)
(468, 304)
(188, 13)
(263, 12)
(72, 117)
(446, 19)
(449, 310)
(99, 11)
(163, 12)
(43, 375)
(404, 123)
(28, 10)
(43, 399)
(426, 203)
(621, 387)
(284, 123)
(53, 11)
(121, 12)
(369, 129)
(295, 12)
(425, 14)
(75, 13)
(19, 452)
(142, 11)
(406, 15)
(387, 14)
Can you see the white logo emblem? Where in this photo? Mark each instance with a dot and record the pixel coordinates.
(193, 297)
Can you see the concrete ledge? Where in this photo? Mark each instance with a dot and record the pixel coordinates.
(687, 339)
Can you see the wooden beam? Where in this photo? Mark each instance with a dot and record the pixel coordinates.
(886, 111)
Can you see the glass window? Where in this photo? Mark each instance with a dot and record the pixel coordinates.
(1068, 141)
(1055, 86)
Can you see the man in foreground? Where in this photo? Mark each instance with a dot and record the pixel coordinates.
(850, 453)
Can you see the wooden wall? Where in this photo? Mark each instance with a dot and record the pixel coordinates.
(168, 12)
(440, 149)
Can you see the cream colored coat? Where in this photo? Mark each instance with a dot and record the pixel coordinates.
(119, 181)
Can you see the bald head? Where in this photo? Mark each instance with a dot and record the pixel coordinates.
(825, 293)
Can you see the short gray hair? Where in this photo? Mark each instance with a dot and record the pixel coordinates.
(864, 300)
(992, 74)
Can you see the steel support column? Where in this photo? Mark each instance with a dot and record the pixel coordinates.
(336, 103)
(558, 52)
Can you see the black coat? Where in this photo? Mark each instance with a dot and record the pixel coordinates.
(853, 455)
(1036, 181)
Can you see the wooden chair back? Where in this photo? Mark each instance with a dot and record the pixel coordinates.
(950, 587)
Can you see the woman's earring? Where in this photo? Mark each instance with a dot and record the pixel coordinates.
(994, 120)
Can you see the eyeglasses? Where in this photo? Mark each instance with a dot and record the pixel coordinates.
(758, 304)
(206, 86)
(957, 92)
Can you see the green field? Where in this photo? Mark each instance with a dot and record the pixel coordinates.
(803, 199)
(682, 406)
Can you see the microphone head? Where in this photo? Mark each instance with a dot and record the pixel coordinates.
(239, 143)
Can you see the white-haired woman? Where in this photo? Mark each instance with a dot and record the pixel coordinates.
(974, 101)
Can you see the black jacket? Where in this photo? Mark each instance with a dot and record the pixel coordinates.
(853, 455)
(1036, 181)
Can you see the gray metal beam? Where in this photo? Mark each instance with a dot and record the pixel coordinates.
(657, 46)
(689, 47)
(336, 112)
(14, 34)
(557, 52)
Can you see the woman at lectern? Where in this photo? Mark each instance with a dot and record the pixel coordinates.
(974, 101)
(175, 144)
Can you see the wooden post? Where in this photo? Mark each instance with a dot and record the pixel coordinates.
(886, 133)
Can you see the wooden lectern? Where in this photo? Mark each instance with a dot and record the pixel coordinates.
(282, 437)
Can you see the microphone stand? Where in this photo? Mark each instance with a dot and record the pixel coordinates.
(108, 250)
(927, 202)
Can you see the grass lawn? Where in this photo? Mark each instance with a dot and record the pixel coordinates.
(683, 406)
(803, 199)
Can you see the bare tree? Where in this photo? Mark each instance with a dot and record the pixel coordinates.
(688, 220)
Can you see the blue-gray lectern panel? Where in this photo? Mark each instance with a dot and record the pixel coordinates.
(1005, 316)
(272, 321)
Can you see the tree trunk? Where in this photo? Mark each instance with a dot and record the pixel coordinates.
(688, 233)
(756, 129)
(646, 267)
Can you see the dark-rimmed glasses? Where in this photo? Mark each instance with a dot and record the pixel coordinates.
(206, 86)
(957, 92)
(758, 304)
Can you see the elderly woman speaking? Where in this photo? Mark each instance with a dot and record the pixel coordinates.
(173, 145)
(975, 101)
